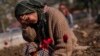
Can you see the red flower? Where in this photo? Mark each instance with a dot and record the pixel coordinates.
(65, 38)
(45, 43)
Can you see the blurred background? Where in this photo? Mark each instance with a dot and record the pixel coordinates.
(84, 12)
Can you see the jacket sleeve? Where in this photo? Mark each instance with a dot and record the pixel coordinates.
(62, 32)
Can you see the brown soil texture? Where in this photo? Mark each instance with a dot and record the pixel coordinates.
(88, 34)
(12, 51)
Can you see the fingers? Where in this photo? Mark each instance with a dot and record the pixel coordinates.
(24, 17)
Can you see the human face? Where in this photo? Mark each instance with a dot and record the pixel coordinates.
(29, 18)
(63, 9)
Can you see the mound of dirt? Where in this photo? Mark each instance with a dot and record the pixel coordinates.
(88, 34)
(12, 51)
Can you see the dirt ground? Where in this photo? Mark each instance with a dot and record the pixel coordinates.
(88, 33)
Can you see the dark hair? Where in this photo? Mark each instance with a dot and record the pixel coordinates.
(98, 19)
(64, 4)
(25, 7)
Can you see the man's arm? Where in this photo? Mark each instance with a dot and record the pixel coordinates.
(62, 33)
